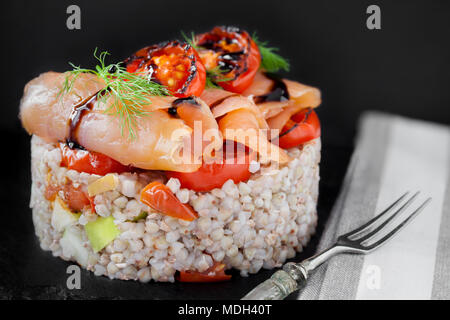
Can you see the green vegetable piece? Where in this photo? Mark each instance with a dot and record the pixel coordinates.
(101, 232)
(142, 215)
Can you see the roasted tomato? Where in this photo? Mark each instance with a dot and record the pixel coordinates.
(174, 64)
(212, 175)
(302, 127)
(233, 53)
(215, 273)
(76, 198)
(89, 161)
(159, 197)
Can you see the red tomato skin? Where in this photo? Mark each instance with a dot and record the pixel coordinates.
(195, 81)
(214, 175)
(197, 84)
(90, 162)
(187, 276)
(244, 77)
(159, 197)
(214, 274)
(132, 66)
(243, 81)
(304, 127)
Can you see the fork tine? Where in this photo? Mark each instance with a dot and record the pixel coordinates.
(399, 227)
(396, 213)
(376, 218)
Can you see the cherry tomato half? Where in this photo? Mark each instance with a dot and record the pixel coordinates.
(215, 273)
(159, 197)
(215, 174)
(89, 161)
(233, 53)
(174, 64)
(304, 126)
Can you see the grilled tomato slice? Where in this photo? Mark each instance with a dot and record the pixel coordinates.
(231, 55)
(89, 161)
(174, 64)
(303, 126)
(159, 197)
(216, 273)
(234, 165)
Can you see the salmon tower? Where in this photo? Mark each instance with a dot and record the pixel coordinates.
(184, 160)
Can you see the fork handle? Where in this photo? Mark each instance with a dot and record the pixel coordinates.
(293, 277)
(281, 284)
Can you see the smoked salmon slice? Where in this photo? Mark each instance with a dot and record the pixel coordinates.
(242, 126)
(241, 120)
(160, 137)
(278, 113)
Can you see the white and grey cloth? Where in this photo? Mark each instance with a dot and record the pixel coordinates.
(392, 155)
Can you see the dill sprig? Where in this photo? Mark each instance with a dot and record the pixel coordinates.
(215, 75)
(270, 60)
(191, 40)
(211, 84)
(130, 91)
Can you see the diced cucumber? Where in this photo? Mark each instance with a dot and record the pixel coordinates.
(73, 246)
(142, 215)
(62, 216)
(101, 232)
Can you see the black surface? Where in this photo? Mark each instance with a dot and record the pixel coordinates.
(403, 68)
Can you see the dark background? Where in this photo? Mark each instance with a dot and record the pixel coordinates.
(403, 68)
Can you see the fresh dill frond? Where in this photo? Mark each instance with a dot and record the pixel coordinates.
(70, 78)
(270, 60)
(215, 75)
(191, 40)
(130, 91)
(211, 84)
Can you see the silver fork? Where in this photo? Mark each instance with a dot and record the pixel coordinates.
(293, 276)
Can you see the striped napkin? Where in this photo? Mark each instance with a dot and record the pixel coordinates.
(392, 155)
